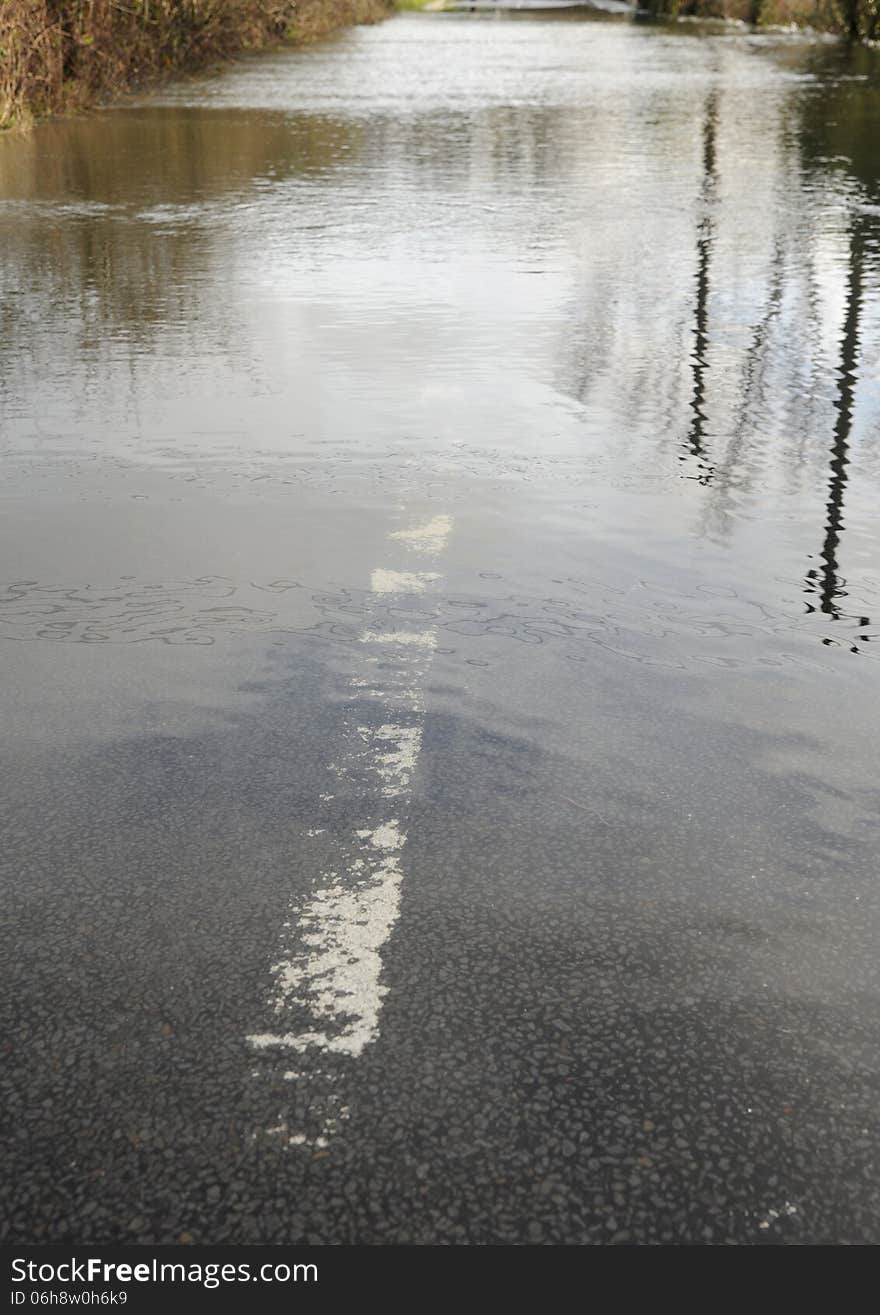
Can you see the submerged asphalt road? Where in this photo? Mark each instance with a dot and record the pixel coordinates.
(440, 704)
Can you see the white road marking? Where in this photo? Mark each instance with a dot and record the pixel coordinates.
(401, 582)
(408, 638)
(429, 538)
(328, 986)
(396, 751)
(345, 927)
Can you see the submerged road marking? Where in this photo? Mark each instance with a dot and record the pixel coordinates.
(429, 538)
(401, 582)
(328, 990)
(344, 928)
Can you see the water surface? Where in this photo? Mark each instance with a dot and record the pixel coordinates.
(603, 297)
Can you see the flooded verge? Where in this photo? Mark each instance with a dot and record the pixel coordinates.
(440, 625)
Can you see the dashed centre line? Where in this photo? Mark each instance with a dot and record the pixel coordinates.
(327, 982)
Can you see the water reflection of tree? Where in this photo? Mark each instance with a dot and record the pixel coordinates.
(824, 582)
(695, 443)
(123, 208)
(732, 470)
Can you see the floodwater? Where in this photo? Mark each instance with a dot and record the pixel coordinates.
(440, 615)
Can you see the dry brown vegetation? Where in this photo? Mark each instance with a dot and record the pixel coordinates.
(65, 54)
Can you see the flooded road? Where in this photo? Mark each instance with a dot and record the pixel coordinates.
(440, 614)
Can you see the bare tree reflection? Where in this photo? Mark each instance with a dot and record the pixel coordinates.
(734, 471)
(824, 581)
(696, 439)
